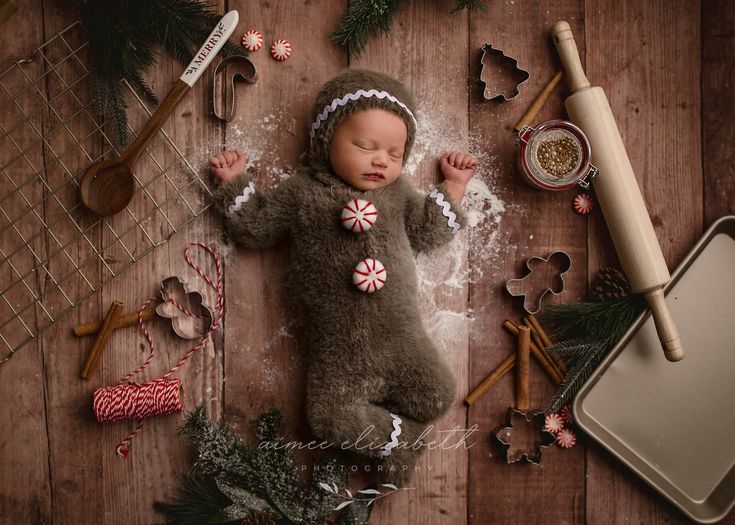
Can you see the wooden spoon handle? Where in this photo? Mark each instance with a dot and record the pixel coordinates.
(216, 39)
(132, 152)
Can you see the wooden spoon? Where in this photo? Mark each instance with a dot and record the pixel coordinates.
(107, 186)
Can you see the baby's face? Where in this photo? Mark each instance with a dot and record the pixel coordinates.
(367, 148)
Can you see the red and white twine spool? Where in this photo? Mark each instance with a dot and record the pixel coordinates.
(129, 400)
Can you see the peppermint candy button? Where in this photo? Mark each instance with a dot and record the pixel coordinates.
(358, 215)
(369, 275)
(252, 40)
(281, 50)
(582, 204)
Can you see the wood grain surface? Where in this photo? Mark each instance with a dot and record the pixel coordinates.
(667, 69)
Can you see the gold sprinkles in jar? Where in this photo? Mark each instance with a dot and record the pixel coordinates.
(558, 157)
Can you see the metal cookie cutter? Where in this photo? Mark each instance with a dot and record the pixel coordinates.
(523, 436)
(190, 317)
(503, 64)
(545, 275)
(237, 69)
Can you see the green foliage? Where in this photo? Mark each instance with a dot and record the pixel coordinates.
(469, 4)
(366, 17)
(232, 480)
(586, 332)
(363, 18)
(125, 37)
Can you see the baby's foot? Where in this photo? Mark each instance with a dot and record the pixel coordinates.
(228, 164)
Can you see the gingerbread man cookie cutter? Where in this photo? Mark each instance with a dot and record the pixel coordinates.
(546, 275)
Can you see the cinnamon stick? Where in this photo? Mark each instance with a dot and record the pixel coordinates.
(542, 348)
(547, 343)
(104, 334)
(130, 319)
(545, 364)
(538, 103)
(523, 356)
(490, 380)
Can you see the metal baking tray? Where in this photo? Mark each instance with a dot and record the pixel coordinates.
(674, 423)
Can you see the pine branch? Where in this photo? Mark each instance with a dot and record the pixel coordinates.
(480, 5)
(124, 37)
(363, 18)
(593, 320)
(576, 376)
(585, 333)
(197, 501)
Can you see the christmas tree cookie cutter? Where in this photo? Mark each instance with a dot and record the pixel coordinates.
(496, 71)
(545, 275)
(235, 68)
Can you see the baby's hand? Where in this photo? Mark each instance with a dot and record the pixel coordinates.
(458, 166)
(228, 164)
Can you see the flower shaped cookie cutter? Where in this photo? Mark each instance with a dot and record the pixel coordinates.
(545, 275)
(523, 436)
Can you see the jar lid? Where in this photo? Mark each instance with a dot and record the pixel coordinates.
(555, 155)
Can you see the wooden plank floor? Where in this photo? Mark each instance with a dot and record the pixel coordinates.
(667, 68)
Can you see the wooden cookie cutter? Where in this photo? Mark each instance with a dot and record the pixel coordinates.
(501, 62)
(545, 275)
(235, 68)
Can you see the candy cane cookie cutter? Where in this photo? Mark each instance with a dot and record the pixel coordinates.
(233, 69)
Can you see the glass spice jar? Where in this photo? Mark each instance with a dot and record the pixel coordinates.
(555, 156)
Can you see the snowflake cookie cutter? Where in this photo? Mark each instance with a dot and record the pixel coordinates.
(504, 67)
(545, 275)
(190, 317)
(524, 436)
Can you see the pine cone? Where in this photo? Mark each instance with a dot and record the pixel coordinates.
(610, 285)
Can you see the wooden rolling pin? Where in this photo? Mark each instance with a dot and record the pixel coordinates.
(617, 190)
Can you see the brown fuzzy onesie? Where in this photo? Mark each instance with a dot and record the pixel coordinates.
(371, 362)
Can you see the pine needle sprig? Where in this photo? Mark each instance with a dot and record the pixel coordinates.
(585, 333)
(233, 481)
(125, 37)
(197, 501)
(363, 18)
(587, 357)
(593, 320)
(480, 5)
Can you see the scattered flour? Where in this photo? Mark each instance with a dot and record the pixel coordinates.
(443, 275)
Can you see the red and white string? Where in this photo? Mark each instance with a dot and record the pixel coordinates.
(130, 400)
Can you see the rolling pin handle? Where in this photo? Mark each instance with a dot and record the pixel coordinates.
(667, 332)
(567, 49)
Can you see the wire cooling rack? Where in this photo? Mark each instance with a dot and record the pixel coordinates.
(53, 253)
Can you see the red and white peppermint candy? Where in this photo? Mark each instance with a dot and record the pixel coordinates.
(553, 423)
(252, 40)
(281, 50)
(582, 204)
(359, 215)
(566, 438)
(369, 275)
(566, 415)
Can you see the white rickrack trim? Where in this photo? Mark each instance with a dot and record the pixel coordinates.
(388, 448)
(446, 210)
(360, 93)
(242, 199)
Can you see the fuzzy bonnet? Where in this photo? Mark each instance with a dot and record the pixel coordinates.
(350, 91)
